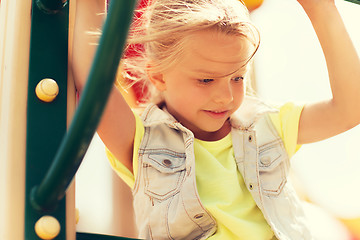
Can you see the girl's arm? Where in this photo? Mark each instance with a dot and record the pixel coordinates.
(117, 126)
(325, 119)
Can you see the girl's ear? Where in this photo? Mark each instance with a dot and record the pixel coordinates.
(157, 79)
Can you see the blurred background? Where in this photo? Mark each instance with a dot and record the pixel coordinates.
(289, 66)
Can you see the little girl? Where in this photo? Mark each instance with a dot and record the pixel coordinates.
(205, 160)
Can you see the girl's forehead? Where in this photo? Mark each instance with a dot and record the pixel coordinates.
(216, 49)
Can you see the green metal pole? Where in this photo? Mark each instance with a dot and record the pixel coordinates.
(354, 1)
(51, 6)
(94, 236)
(45, 121)
(92, 103)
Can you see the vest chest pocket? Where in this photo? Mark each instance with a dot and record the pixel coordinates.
(273, 168)
(163, 174)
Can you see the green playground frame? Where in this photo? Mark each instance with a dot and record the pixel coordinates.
(47, 181)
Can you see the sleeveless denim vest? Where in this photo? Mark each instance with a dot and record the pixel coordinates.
(166, 201)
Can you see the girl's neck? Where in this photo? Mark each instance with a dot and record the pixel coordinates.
(214, 136)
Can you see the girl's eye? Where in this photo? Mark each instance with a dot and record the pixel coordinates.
(238, 79)
(206, 80)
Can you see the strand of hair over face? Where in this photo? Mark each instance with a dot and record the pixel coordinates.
(163, 25)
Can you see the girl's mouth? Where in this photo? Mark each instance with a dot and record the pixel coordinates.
(217, 114)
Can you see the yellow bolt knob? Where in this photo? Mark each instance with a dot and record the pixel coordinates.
(77, 216)
(47, 90)
(47, 227)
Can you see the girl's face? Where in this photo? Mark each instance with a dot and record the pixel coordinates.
(207, 85)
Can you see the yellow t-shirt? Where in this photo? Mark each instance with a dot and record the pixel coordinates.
(219, 183)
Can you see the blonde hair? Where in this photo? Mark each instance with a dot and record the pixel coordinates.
(163, 26)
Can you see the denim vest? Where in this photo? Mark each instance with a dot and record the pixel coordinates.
(166, 201)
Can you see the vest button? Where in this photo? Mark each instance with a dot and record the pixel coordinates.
(167, 162)
(251, 186)
(200, 215)
(250, 138)
(265, 160)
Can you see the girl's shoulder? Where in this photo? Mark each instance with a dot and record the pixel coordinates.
(286, 123)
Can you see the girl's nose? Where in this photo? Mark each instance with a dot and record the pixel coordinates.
(224, 94)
